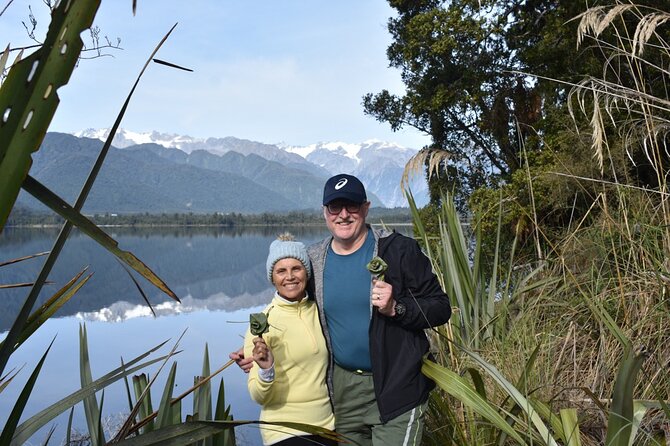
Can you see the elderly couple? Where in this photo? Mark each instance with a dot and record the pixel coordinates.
(344, 350)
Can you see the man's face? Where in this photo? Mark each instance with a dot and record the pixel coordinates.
(346, 219)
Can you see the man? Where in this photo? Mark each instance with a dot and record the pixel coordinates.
(374, 330)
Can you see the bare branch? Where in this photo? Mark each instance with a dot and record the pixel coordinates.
(5, 8)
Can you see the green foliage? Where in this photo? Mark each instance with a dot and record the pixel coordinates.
(461, 277)
(73, 216)
(595, 300)
(489, 81)
(140, 385)
(15, 415)
(29, 99)
(463, 391)
(598, 241)
(49, 308)
(222, 412)
(532, 198)
(621, 421)
(166, 424)
(27, 428)
(91, 409)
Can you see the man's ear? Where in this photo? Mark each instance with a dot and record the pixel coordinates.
(367, 208)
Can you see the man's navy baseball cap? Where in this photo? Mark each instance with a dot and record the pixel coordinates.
(346, 187)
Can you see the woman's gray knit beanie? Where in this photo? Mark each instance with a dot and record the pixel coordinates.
(286, 247)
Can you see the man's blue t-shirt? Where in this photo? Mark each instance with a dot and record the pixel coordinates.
(346, 302)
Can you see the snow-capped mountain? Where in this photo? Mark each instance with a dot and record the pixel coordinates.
(126, 138)
(217, 146)
(378, 164)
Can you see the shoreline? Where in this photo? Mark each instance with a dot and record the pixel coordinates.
(177, 225)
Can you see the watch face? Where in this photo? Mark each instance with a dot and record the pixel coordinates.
(400, 309)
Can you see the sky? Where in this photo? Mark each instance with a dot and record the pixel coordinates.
(272, 71)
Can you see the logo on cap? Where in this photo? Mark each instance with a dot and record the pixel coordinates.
(340, 184)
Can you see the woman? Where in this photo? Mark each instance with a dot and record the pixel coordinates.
(288, 377)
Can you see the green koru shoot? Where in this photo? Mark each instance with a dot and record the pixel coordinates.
(258, 324)
(377, 267)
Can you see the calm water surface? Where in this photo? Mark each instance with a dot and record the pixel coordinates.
(218, 274)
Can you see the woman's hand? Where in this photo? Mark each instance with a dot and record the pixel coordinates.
(262, 353)
(243, 363)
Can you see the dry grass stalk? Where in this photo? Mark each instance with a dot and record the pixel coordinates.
(646, 28)
(599, 139)
(595, 20)
(642, 123)
(435, 160)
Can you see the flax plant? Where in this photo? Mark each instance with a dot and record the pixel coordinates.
(481, 303)
(491, 398)
(28, 101)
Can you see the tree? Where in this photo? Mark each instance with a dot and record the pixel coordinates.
(487, 80)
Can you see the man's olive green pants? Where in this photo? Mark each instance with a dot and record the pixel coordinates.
(357, 414)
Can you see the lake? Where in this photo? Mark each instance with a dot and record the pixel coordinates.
(219, 275)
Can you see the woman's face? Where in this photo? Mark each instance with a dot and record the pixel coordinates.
(289, 277)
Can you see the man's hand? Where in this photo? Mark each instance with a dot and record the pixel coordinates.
(244, 363)
(382, 297)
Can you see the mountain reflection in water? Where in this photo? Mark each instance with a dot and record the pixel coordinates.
(208, 268)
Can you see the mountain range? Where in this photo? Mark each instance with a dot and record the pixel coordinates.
(155, 172)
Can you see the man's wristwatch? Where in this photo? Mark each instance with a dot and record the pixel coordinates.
(400, 310)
